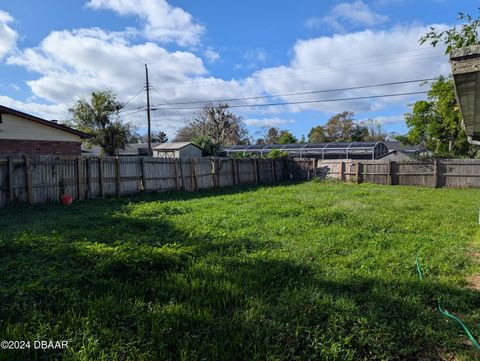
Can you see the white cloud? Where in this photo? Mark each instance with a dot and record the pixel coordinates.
(211, 55)
(71, 64)
(313, 23)
(257, 55)
(389, 119)
(355, 59)
(8, 36)
(45, 111)
(163, 22)
(267, 122)
(355, 14)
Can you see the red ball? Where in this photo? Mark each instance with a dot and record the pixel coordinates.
(67, 199)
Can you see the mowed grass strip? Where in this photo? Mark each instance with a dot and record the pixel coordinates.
(312, 271)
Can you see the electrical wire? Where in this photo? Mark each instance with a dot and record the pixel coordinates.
(346, 66)
(307, 101)
(132, 98)
(298, 93)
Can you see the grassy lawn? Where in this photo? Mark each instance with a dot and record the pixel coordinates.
(312, 271)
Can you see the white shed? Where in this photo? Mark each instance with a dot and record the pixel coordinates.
(178, 150)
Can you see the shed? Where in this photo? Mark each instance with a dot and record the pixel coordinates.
(178, 150)
(333, 150)
(25, 134)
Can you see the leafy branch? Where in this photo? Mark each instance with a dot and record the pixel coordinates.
(455, 38)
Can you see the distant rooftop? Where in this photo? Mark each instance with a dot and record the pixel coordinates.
(173, 146)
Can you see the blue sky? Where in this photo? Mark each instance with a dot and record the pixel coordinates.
(52, 52)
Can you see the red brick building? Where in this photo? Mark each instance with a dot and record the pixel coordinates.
(25, 134)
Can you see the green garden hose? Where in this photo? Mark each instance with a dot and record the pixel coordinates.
(448, 314)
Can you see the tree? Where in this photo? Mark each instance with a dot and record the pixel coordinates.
(98, 116)
(286, 137)
(317, 135)
(159, 137)
(209, 147)
(372, 131)
(437, 123)
(272, 136)
(453, 38)
(340, 127)
(216, 122)
(277, 153)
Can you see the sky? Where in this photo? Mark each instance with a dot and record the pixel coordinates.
(54, 52)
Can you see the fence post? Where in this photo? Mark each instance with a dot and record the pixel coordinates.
(358, 172)
(217, 162)
(101, 178)
(142, 174)
(177, 182)
(342, 171)
(193, 175)
(79, 178)
(315, 167)
(435, 173)
(182, 181)
(389, 173)
(87, 180)
(10, 180)
(274, 172)
(28, 171)
(117, 176)
(237, 171)
(257, 171)
(233, 171)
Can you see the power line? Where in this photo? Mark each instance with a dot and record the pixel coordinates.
(299, 93)
(134, 112)
(136, 95)
(308, 101)
(346, 66)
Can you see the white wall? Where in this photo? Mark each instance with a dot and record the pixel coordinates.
(14, 127)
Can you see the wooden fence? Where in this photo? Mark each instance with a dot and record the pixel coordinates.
(457, 173)
(43, 179)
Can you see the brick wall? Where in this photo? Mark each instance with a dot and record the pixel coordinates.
(38, 147)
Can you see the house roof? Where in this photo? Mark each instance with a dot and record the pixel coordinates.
(174, 146)
(136, 149)
(6, 110)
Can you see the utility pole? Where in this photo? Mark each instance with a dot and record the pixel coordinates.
(148, 113)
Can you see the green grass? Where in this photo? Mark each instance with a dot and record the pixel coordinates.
(312, 271)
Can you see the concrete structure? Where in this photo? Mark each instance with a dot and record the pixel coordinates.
(25, 134)
(178, 150)
(466, 74)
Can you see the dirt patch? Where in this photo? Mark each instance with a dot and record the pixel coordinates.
(475, 255)
(474, 281)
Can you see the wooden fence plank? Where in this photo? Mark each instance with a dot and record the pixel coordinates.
(101, 177)
(10, 180)
(118, 182)
(28, 172)
(79, 178)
